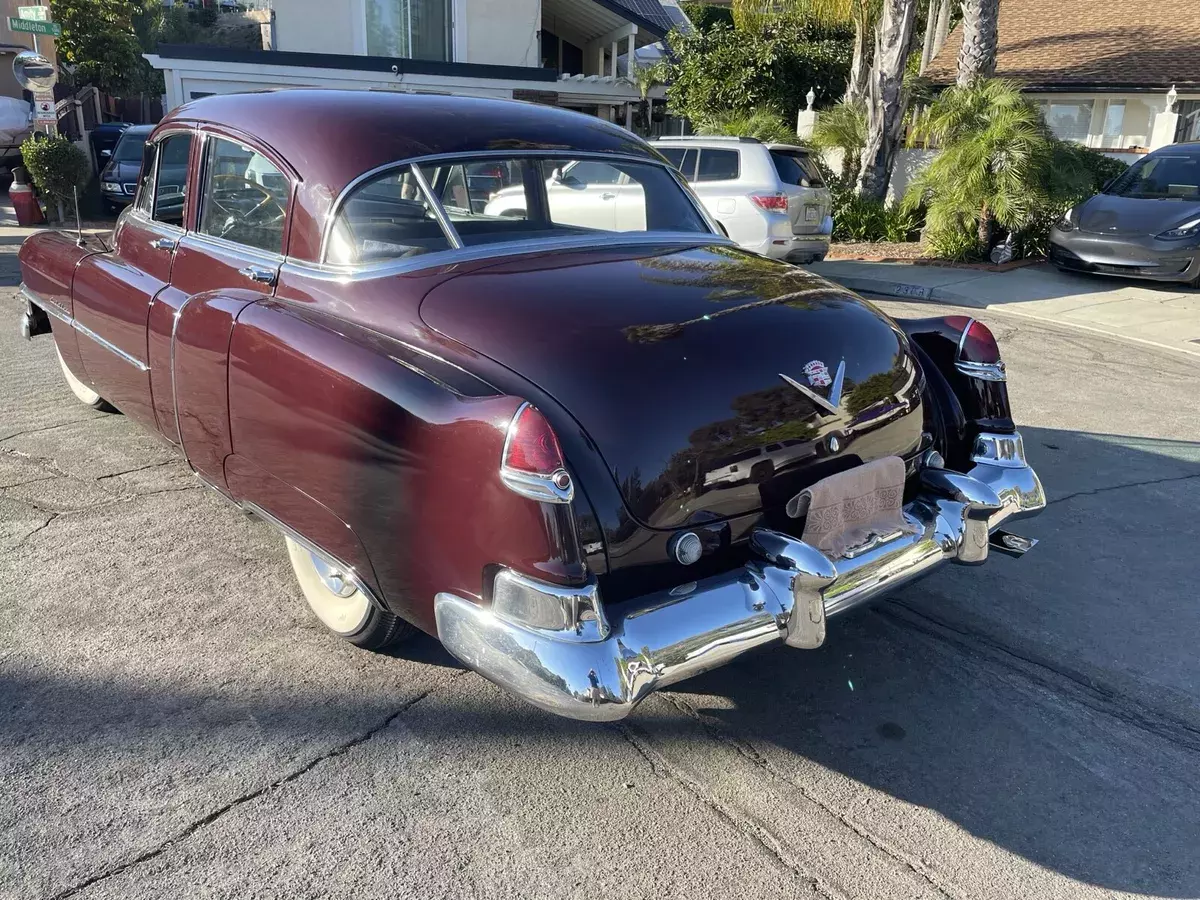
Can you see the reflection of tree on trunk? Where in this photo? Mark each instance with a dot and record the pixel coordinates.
(648, 334)
(733, 275)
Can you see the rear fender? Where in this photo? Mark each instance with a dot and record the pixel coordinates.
(356, 442)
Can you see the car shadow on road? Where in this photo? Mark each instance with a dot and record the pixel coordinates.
(1049, 705)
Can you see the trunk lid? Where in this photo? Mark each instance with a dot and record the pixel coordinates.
(674, 363)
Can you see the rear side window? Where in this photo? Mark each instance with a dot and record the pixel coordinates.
(796, 168)
(718, 165)
(683, 159)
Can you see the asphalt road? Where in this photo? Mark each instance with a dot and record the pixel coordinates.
(174, 723)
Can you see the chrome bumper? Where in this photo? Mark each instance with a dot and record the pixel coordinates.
(599, 670)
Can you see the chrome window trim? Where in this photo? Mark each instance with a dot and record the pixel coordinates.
(158, 140)
(440, 258)
(54, 310)
(275, 257)
(140, 214)
(220, 243)
(417, 161)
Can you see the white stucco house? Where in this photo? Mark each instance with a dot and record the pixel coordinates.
(572, 53)
(1100, 69)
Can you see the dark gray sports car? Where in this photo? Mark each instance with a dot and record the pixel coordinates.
(1145, 224)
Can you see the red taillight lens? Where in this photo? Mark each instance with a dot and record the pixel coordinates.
(532, 446)
(979, 345)
(771, 202)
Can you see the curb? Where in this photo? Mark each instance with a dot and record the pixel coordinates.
(946, 294)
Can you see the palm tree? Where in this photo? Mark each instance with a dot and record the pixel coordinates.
(886, 98)
(977, 57)
(995, 151)
(764, 124)
(843, 127)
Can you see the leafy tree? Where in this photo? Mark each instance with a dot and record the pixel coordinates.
(726, 70)
(99, 41)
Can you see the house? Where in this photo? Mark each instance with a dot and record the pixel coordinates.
(1100, 69)
(571, 53)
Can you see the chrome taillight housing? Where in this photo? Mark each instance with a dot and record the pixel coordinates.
(532, 462)
(978, 353)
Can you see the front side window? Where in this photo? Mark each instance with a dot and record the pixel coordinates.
(173, 155)
(498, 200)
(413, 29)
(245, 197)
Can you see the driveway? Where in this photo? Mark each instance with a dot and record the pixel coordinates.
(173, 722)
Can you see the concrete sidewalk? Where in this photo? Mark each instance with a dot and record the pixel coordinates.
(1167, 315)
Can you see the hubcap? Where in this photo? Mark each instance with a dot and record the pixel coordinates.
(335, 580)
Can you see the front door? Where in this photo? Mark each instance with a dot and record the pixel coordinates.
(113, 292)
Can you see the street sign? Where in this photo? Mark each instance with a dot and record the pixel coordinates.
(32, 27)
(44, 111)
(34, 13)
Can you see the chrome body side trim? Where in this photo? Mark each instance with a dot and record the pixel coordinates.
(347, 572)
(783, 595)
(175, 383)
(61, 314)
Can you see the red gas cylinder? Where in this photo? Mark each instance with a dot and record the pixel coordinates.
(25, 204)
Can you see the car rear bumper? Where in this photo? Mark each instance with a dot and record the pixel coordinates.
(784, 595)
(1131, 256)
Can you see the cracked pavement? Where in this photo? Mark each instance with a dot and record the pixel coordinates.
(174, 722)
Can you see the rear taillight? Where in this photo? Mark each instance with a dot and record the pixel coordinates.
(532, 463)
(978, 352)
(771, 202)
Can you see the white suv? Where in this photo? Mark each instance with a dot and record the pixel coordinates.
(770, 198)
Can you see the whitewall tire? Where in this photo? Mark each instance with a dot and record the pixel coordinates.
(340, 606)
(82, 392)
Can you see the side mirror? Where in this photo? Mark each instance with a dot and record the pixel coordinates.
(106, 152)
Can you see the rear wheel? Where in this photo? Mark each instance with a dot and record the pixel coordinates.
(341, 606)
(82, 392)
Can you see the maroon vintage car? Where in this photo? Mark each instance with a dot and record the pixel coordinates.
(587, 442)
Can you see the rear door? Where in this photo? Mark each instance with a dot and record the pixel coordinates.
(808, 198)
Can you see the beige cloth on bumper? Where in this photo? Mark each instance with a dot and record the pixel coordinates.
(846, 509)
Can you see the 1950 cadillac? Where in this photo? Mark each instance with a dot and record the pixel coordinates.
(593, 452)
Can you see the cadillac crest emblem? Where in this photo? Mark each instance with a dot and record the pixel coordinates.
(818, 374)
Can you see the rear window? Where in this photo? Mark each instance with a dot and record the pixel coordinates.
(796, 168)
(718, 165)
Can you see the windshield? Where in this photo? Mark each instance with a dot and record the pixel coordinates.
(1161, 177)
(129, 148)
(493, 200)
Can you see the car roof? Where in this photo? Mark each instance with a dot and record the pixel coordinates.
(699, 140)
(143, 130)
(361, 130)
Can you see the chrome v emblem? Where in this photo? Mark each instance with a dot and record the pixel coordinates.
(835, 392)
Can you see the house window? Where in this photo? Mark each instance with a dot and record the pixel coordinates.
(1114, 123)
(415, 29)
(1069, 120)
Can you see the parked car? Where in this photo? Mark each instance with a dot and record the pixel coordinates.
(103, 139)
(1144, 224)
(118, 178)
(770, 198)
(496, 428)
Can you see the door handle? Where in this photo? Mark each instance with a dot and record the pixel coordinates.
(163, 244)
(259, 274)
(608, 196)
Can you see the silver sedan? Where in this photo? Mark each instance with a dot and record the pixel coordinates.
(1145, 224)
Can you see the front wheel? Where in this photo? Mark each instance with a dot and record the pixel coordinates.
(341, 606)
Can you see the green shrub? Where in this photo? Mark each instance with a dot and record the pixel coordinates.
(57, 167)
(1074, 174)
(764, 124)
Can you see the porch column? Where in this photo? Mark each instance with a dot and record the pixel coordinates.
(632, 44)
(613, 70)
